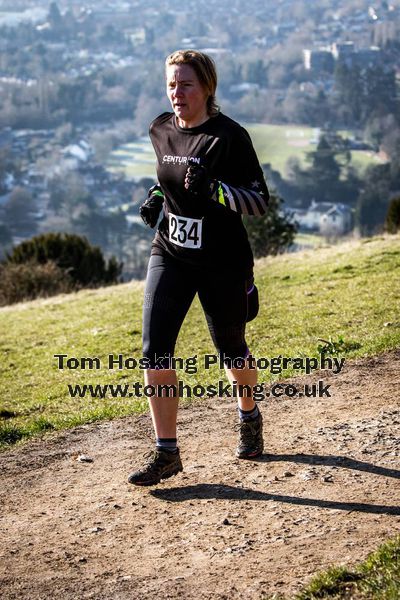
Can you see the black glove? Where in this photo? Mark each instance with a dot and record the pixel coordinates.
(151, 207)
(197, 180)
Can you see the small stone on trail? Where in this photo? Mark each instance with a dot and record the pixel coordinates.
(84, 458)
(307, 475)
(226, 522)
(288, 474)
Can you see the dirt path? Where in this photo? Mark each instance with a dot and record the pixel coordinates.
(327, 492)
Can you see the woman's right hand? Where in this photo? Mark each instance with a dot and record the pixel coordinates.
(151, 207)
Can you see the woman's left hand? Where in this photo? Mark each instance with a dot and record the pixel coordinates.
(197, 180)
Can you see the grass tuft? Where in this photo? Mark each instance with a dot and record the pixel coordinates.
(377, 578)
(334, 581)
(11, 434)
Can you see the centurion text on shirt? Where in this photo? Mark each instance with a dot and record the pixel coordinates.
(191, 364)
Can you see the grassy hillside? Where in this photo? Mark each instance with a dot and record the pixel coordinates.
(350, 290)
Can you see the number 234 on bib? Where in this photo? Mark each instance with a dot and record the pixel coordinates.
(184, 231)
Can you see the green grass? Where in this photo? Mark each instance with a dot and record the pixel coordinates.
(136, 160)
(349, 291)
(274, 144)
(310, 240)
(377, 578)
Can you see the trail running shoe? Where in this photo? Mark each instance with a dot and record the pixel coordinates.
(160, 465)
(251, 442)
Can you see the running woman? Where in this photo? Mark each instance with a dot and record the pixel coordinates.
(208, 177)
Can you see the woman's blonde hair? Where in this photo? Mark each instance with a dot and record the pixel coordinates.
(204, 67)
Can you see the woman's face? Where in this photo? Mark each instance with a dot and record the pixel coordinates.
(187, 96)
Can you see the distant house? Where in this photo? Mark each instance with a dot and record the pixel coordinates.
(8, 181)
(319, 61)
(284, 27)
(240, 89)
(369, 57)
(35, 179)
(343, 50)
(327, 218)
(80, 152)
(336, 221)
(347, 53)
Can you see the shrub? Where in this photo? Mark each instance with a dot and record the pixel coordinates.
(27, 281)
(273, 232)
(392, 223)
(73, 254)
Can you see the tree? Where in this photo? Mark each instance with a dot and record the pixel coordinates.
(379, 87)
(54, 16)
(58, 195)
(370, 213)
(323, 180)
(273, 232)
(18, 210)
(84, 263)
(364, 91)
(32, 280)
(5, 235)
(64, 133)
(372, 203)
(392, 223)
(146, 110)
(255, 71)
(325, 169)
(5, 240)
(391, 145)
(348, 88)
(7, 167)
(72, 96)
(90, 223)
(380, 184)
(67, 191)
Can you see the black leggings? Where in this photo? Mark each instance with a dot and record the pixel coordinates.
(171, 286)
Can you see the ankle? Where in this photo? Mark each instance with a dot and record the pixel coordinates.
(167, 445)
(248, 415)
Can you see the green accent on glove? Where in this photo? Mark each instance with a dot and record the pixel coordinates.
(221, 197)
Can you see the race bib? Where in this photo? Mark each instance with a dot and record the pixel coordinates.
(184, 231)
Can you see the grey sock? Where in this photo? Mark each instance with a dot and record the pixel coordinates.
(248, 415)
(167, 444)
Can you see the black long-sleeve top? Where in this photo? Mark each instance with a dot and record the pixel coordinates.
(207, 230)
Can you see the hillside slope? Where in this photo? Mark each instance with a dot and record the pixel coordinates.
(349, 291)
(325, 491)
